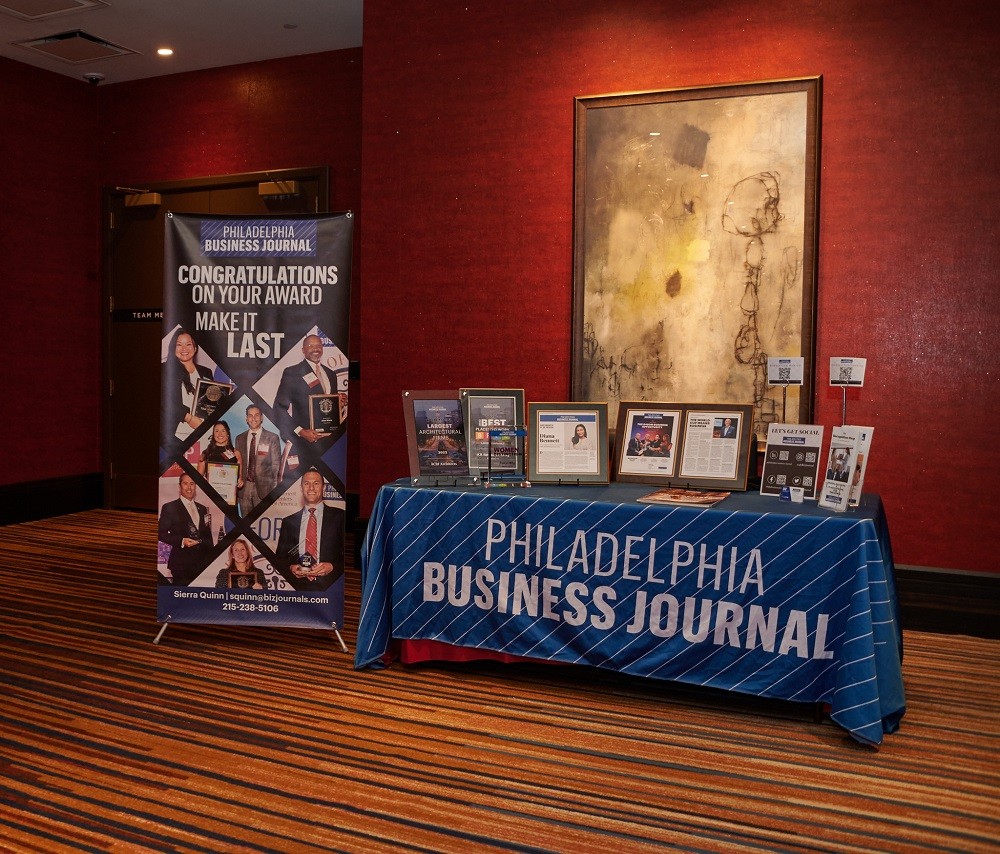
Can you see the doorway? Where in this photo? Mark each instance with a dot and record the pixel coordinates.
(133, 278)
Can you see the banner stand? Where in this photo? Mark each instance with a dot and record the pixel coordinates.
(253, 427)
(333, 627)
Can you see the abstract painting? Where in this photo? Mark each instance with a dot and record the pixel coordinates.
(695, 245)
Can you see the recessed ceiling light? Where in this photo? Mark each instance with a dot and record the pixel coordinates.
(165, 51)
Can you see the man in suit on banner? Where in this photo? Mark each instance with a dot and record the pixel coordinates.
(291, 403)
(185, 525)
(311, 541)
(260, 450)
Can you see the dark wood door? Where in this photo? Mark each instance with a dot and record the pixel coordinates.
(133, 266)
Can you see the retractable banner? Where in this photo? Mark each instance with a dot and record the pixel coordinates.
(253, 420)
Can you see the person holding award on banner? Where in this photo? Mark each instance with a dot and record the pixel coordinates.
(293, 404)
(311, 541)
(226, 472)
(180, 376)
(185, 526)
(240, 572)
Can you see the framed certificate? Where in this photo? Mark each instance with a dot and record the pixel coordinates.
(435, 438)
(568, 442)
(210, 396)
(325, 412)
(647, 442)
(494, 426)
(223, 477)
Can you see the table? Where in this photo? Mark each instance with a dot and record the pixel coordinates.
(753, 595)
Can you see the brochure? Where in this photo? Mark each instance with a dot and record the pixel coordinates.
(860, 465)
(840, 464)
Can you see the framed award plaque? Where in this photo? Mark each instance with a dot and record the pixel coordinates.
(243, 580)
(325, 412)
(494, 426)
(647, 442)
(568, 442)
(210, 396)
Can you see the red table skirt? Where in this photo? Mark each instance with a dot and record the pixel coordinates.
(416, 651)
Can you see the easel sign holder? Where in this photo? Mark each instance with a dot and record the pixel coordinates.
(847, 372)
(785, 371)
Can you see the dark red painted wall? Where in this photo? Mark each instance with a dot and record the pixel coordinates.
(50, 287)
(467, 182)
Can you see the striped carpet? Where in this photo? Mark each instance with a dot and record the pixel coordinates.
(264, 739)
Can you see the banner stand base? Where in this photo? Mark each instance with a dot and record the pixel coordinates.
(333, 626)
(340, 640)
(159, 634)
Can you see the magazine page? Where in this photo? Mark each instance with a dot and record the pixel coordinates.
(686, 497)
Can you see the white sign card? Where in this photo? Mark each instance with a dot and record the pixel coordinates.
(847, 371)
(782, 370)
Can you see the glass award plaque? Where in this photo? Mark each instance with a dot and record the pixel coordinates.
(436, 440)
(209, 397)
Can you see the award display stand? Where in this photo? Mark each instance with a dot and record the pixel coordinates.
(510, 437)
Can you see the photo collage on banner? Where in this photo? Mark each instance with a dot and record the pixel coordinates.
(253, 443)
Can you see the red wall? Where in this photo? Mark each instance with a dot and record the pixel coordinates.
(50, 286)
(467, 187)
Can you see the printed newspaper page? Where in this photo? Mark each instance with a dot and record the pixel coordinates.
(711, 444)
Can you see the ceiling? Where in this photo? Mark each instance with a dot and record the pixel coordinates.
(120, 38)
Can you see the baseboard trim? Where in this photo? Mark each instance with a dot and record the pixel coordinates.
(42, 499)
(949, 601)
(942, 601)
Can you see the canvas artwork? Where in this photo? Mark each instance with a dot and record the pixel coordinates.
(695, 245)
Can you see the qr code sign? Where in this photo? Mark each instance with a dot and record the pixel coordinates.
(845, 374)
(784, 374)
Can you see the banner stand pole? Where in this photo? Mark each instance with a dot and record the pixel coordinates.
(159, 634)
(340, 640)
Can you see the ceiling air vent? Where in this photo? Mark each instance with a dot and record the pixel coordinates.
(39, 10)
(76, 46)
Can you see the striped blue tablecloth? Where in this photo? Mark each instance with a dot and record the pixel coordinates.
(753, 595)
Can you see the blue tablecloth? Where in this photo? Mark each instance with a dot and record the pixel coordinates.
(752, 595)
